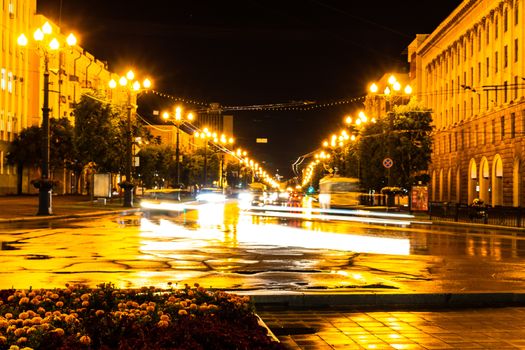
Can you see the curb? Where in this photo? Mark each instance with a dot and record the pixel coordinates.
(293, 301)
(69, 216)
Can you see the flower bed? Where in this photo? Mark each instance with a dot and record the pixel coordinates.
(78, 317)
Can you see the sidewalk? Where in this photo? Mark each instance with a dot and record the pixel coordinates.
(444, 329)
(25, 207)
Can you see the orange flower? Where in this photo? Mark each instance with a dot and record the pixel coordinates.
(85, 303)
(164, 318)
(3, 339)
(8, 315)
(59, 304)
(21, 340)
(84, 297)
(99, 312)
(23, 315)
(183, 312)
(23, 301)
(85, 340)
(163, 324)
(19, 332)
(59, 331)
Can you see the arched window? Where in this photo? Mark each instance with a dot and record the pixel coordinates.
(472, 181)
(516, 183)
(497, 181)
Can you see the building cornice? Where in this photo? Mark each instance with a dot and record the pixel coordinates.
(443, 28)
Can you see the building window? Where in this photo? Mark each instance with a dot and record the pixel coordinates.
(516, 15)
(505, 20)
(502, 124)
(487, 66)
(523, 122)
(505, 91)
(479, 72)
(493, 134)
(512, 125)
(2, 81)
(487, 34)
(496, 61)
(462, 139)
(479, 40)
(476, 136)
(10, 82)
(496, 28)
(516, 87)
(449, 143)
(472, 76)
(505, 56)
(516, 52)
(456, 141)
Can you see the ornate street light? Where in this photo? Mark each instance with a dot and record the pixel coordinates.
(47, 45)
(130, 86)
(178, 120)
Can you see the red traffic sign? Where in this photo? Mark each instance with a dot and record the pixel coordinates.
(388, 162)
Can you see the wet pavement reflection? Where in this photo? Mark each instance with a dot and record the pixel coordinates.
(222, 247)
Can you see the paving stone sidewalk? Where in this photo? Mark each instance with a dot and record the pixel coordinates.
(25, 207)
(493, 328)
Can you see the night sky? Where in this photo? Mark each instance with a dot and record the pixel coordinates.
(256, 52)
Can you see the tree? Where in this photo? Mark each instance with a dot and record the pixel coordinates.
(98, 135)
(26, 148)
(62, 151)
(404, 136)
(157, 165)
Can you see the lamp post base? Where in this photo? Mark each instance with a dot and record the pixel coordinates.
(128, 193)
(45, 188)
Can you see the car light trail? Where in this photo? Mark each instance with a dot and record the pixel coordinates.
(358, 212)
(179, 238)
(308, 216)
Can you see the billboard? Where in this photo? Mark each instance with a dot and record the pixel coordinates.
(419, 198)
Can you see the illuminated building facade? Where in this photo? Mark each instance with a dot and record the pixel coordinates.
(72, 73)
(470, 72)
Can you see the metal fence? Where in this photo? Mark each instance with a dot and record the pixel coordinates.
(499, 215)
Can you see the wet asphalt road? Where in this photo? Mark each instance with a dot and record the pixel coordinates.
(223, 247)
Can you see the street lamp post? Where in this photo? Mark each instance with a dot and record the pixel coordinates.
(205, 135)
(178, 121)
(44, 184)
(130, 86)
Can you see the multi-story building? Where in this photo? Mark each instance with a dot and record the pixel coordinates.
(73, 71)
(469, 71)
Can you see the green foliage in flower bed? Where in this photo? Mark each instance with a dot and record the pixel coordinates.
(78, 317)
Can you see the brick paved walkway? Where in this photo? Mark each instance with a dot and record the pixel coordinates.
(502, 328)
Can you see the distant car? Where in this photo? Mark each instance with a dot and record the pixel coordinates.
(295, 199)
(164, 201)
(251, 198)
(173, 194)
(211, 195)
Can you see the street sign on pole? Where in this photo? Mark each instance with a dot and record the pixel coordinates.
(388, 162)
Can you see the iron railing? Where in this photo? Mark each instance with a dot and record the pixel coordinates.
(498, 215)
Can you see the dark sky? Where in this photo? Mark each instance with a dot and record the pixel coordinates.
(256, 52)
